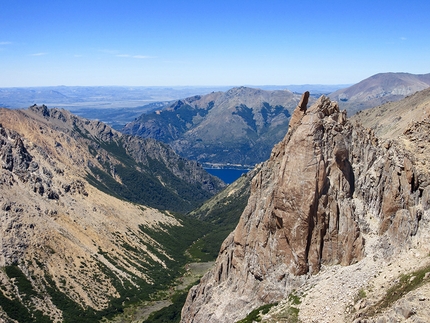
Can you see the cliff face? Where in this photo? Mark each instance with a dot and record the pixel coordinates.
(326, 187)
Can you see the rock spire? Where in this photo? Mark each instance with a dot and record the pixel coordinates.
(309, 206)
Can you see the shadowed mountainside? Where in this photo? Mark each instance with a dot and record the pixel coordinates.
(139, 170)
(238, 126)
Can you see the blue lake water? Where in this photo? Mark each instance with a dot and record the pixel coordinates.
(228, 175)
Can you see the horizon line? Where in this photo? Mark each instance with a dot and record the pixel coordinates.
(181, 86)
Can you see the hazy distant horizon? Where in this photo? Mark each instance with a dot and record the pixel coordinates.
(265, 86)
(100, 97)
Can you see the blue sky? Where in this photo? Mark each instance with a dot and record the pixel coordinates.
(235, 42)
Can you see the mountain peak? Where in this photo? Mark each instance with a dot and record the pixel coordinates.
(314, 203)
(235, 127)
(378, 89)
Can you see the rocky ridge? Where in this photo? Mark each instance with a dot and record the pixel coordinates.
(334, 201)
(103, 148)
(54, 227)
(66, 247)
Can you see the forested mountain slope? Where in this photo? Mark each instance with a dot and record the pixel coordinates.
(86, 222)
(238, 126)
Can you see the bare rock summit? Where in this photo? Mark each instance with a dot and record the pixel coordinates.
(330, 194)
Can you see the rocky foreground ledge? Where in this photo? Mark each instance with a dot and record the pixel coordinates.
(333, 206)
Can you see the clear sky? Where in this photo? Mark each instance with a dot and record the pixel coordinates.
(217, 42)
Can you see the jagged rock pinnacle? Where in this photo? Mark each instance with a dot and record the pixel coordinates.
(302, 213)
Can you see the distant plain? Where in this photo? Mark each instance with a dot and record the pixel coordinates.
(117, 105)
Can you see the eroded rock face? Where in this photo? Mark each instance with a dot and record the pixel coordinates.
(61, 232)
(310, 205)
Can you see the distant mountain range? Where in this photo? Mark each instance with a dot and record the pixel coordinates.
(96, 97)
(118, 105)
(379, 89)
(120, 97)
(219, 125)
(240, 125)
(237, 127)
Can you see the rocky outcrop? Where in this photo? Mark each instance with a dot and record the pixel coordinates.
(328, 184)
(303, 104)
(18, 161)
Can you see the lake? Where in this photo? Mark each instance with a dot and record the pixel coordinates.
(228, 175)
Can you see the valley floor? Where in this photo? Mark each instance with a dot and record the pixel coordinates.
(140, 312)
